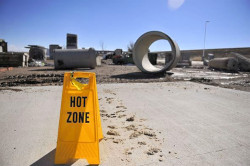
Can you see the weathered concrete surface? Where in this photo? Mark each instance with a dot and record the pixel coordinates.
(244, 62)
(195, 124)
(140, 52)
(227, 63)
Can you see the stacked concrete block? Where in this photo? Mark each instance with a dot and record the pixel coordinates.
(14, 59)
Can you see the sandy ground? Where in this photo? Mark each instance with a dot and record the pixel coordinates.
(167, 123)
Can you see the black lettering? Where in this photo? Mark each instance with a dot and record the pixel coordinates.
(72, 101)
(75, 117)
(81, 117)
(68, 121)
(86, 117)
(84, 101)
(78, 102)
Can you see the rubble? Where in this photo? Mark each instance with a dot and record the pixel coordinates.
(35, 63)
(152, 151)
(130, 119)
(228, 63)
(112, 132)
(37, 52)
(244, 63)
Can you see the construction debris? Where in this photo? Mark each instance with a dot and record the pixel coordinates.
(13, 59)
(228, 63)
(37, 52)
(244, 63)
(210, 56)
(35, 63)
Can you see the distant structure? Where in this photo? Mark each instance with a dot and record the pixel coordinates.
(52, 48)
(118, 52)
(72, 57)
(3, 46)
(12, 59)
(71, 41)
(37, 52)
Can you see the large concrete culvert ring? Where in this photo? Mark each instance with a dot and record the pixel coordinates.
(140, 52)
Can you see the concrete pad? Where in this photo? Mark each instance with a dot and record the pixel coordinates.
(192, 124)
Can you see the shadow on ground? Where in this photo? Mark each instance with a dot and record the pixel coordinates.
(48, 160)
(52, 69)
(141, 75)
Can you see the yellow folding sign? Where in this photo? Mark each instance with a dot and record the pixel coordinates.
(79, 129)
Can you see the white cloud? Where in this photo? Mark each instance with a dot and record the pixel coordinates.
(175, 4)
(16, 48)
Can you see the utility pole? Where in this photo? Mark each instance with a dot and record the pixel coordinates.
(102, 44)
(203, 55)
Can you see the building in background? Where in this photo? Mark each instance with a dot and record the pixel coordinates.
(3, 46)
(71, 41)
(37, 52)
(52, 48)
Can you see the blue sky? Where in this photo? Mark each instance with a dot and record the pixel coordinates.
(117, 22)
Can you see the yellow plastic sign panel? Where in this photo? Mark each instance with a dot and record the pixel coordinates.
(79, 129)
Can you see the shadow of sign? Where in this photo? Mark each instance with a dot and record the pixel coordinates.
(141, 75)
(48, 160)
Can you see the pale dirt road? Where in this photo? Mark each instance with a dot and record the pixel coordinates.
(174, 123)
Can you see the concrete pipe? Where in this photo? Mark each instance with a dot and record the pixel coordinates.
(227, 63)
(74, 58)
(244, 62)
(140, 52)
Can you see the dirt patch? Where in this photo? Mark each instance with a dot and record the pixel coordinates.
(152, 151)
(142, 143)
(112, 132)
(118, 141)
(135, 134)
(121, 106)
(130, 134)
(11, 89)
(109, 100)
(131, 127)
(130, 119)
(150, 134)
(121, 116)
(37, 76)
(112, 127)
